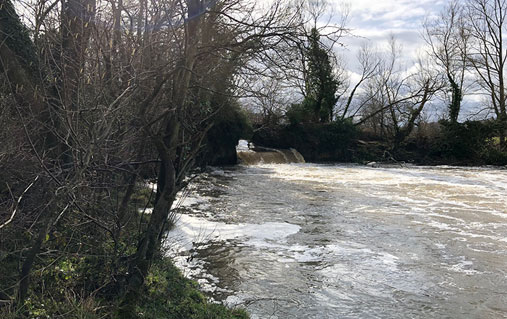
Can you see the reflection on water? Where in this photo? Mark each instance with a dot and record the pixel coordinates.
(345, 241)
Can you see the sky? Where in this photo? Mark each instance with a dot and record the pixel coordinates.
(376, 20)
(401, 15)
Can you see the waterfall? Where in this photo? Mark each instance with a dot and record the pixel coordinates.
(297, 155)
(283, 155)
(259, 155)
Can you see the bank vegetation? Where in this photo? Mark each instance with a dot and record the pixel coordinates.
(100, 97)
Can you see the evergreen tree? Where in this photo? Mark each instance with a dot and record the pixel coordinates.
(321, 83)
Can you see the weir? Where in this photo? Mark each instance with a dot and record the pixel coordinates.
(251, 155)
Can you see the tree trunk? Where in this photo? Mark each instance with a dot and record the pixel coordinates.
(403, 133)
(455, 106)
(167, 144)
(149, 244)
(26, 268)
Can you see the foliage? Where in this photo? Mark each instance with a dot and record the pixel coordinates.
(112, 100)
(167, 294)
(315, 141)
(495, 156)
(170, 295)
(455, 102)
(468, 140)
(321, 83)
(230, 125)
(469, 143)
(85, 282)
(21, 45)
(300, 113)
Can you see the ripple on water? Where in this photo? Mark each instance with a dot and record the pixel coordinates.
(346, 241)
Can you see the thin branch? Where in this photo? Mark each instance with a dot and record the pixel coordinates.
(18, 202)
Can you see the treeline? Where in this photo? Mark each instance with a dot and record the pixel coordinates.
(394, 104)
(97, 97)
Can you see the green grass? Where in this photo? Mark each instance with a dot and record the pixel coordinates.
(74, 277)
(170, 295)
(167, 294)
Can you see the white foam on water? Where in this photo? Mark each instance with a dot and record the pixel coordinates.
(440, 246)
(234, 300)
(218, 172)
(442, 226)
(257, 234)
(192, 201)
(463, 266)
(370, 176)
(242, 146)
(401, 233)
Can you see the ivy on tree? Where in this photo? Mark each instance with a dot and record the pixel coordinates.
(321, 83)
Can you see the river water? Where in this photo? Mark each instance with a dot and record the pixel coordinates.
(348, 241)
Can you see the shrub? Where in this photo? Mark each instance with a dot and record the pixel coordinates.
(299, 113)
(170, 295)
(315, 141)
(230, 125)
(468, 140)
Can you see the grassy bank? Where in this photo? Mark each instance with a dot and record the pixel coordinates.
(80, 274)
(168, 294)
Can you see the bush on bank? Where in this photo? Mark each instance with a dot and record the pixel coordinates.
(167, 295)
(317, 142)
(230, 125)
(475, 141)
(79, 274)
(468, 143)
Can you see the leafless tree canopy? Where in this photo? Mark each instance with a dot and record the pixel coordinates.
(97, 96)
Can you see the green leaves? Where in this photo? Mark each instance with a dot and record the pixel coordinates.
(321, 82)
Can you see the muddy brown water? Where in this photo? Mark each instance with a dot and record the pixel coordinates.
(348, 241)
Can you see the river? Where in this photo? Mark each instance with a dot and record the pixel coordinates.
(348, 241)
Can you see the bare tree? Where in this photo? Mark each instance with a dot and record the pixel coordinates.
(449, 44)
(485, 24)
(103, 89)
(397, 98)
(370, 63)
(286, 61)
(214, 45)
(76, 112)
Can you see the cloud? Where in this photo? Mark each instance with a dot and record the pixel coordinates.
(376, 20)
(389, 13)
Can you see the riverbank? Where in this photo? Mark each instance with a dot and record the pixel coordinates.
(460, 144)
(167, 294)
(86, 282)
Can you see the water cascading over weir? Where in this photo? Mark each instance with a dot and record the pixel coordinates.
(249, 154)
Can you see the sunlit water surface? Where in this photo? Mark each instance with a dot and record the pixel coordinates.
(346, 241)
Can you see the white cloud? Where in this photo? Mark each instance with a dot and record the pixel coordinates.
(377, 20)
(402, 11)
